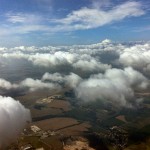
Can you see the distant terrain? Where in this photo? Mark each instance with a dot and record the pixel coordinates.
(71, 121)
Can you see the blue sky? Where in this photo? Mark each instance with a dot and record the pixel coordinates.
(66, 22)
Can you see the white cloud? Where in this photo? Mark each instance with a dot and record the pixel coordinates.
(28, 84)
(56, 77)
(84, 62)
(91, 65)
(23, 18)
(34, 85)
(85, 58)
(116, 86)
(71, 80)
(137, 56)
(48, 81)
(13, 118)
(55, 59)
(23, 23)
(4, 84)
(87, 18)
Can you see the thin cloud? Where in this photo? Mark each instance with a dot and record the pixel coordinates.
(23, 18)
(87, 18)
(82, 19)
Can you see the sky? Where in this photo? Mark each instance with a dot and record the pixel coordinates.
(68, 22)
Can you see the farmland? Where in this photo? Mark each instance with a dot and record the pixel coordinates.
(61, 113)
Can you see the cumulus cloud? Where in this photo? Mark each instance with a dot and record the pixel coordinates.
(92, 58)
(114, 85)
(28, 84)
(56, 77)
(13, 118)
(48, 81)
(56, 58)
(90, 66)
(137, 56)
(34, 85)
(84, 62)
(4, 84)
(71, 80)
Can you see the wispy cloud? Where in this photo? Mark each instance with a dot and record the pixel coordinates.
(23, 18)
(37, 28)
(87, 18)
(22, 23)
(82, 19)
(141, 29)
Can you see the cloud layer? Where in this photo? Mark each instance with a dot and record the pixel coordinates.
(106, 70)
(87, 58)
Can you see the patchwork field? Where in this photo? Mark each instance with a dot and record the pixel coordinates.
(56, 112)
(67, 126)
(122, 118)
(55, 107)
(56, 123)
